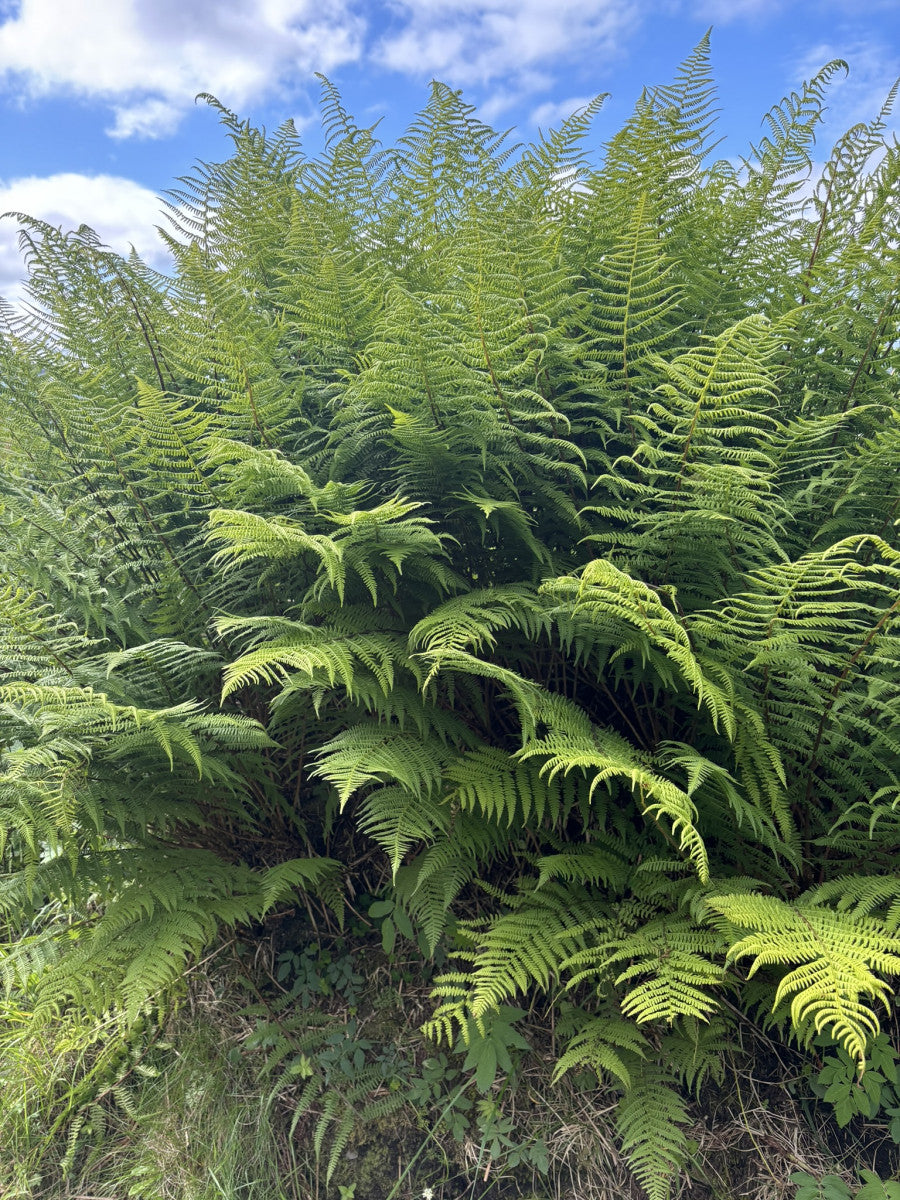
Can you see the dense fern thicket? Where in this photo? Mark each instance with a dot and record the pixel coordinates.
(505, 535)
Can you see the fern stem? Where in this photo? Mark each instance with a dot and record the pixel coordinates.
(835, 692)
(882, 319)
(144, 332)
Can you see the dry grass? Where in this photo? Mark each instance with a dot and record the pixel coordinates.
(207, 1128)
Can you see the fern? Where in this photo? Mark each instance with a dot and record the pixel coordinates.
(509, 533)
(835, 955)
(650, 1120)
(668, 969)
(514, 949)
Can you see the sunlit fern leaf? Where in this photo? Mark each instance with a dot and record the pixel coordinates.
(522, 945)
(248, 535)
(664, 969)
(573, 743)
(469, 622)
(833, 959)
(505, 790)
(313, 655)
(632, 617)
(376, 753)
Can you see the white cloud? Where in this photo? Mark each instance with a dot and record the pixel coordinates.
(466, 42)
(146, 59)
(553, 113)
(149, 58)
(858, 95)
(122, 212)
(149, 119)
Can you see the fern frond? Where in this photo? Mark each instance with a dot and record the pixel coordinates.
(524, 945)
(398, 818)
(574, 744)
(668, 971)
(248, 536)
(650, 1120)
(506, 790)
(834, 959)
(599, 1045)
(310, 656)
(374, 753)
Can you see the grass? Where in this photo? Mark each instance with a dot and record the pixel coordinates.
(192, 1108)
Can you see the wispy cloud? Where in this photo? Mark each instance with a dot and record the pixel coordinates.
(122, 212)
(148, 58)
(859, 95)
(553, 113)
(484, 42)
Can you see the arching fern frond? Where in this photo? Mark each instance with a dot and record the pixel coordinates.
(668, 969)
(834, 957)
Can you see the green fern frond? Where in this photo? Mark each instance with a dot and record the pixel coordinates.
(606, 1045)
(310, 656)
(632, 618)
(398, 818)
(834, 959)
(524, 945)
(506, 790)
(552, 499)
(246, 536)
(469, 622)
(374, 753)
(863, 896)
(668, 969)
(574, 744)
(695, 1050)
(650, 1120)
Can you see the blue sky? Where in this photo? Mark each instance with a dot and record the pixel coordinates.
(97, 96)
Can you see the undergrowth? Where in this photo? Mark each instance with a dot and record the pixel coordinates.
(302, 1074)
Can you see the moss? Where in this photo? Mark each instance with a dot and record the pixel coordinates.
(391, 1149)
